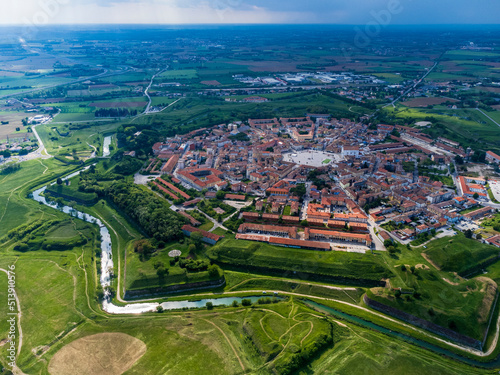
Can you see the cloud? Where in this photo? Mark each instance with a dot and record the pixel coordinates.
(246, 11)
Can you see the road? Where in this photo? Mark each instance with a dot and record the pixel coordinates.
(215, 222)
(146, 111)
(413, 86)
(477, 109)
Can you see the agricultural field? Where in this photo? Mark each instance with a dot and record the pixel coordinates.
(424, 102)
(14, 120)
(187, 74)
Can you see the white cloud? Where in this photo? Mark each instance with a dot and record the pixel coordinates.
(141, 11)
(242, 11)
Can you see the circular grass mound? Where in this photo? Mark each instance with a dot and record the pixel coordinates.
(101, 354)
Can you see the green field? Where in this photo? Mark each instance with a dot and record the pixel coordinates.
(467, 126)
(192, 113)
(179, 74)
(460, 254)
(285, 262)
(79, 137)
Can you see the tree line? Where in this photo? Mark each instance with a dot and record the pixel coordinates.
(147, 210)
(115, 112)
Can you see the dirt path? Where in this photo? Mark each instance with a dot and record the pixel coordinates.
(229, 342)
(263, 329)
(426, 257)
(308, 333)
(295, 282)
(46, 168)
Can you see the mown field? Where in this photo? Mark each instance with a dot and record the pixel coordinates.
(307, 264)
(460, 254)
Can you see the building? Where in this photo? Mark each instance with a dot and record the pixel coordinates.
(478, 214)
(208, 237)
(285, 242)
(350, 151)
(492, 157)
(202, 178)
(329, 235)
(274, 230)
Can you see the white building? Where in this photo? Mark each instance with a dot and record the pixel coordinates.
(350, 151)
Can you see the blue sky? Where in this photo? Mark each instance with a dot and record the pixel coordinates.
(250, 11)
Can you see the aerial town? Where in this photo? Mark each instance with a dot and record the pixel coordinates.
(325, 184)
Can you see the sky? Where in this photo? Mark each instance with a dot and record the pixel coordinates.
(358, 12)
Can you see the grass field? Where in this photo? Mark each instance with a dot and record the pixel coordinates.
(79, 137)
(288, 261)
(14, 208)
(467, 126)
(459, 254)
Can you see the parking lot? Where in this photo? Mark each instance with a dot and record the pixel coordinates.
(466, 225)
(495, 188)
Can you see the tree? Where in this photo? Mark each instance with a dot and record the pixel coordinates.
(197, 239)
(300, 190)
(158, 264)
(162, 272)
(246, 302)
(159, 309)
(59, 181)
(209, 305)
(214, 271)
(412, 269)
(475, 195)
(220, 195)
(398, 293)
(468, 233)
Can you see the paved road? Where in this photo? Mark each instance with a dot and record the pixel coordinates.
(147, 110)
(215, 222)
(477, 109)
(412, 87)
